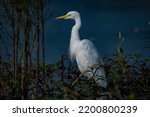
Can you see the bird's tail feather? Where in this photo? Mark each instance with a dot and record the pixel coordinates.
(98, 74)
(100, 77)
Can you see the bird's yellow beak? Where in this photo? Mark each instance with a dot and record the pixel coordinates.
(62, 17)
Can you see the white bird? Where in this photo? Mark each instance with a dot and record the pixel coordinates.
(84, 52)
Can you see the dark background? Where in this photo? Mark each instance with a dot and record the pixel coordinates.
(101, 21)
(32, 61)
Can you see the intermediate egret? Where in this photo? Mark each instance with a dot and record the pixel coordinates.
(84, 52)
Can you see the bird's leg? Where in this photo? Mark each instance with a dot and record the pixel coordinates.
(79, 77)
(75, 81)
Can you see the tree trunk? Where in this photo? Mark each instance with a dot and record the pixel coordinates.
(43, 43)
(16, 43)
(25, 53)
(37, 6)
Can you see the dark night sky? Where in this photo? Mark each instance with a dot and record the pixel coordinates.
(101, 21)
(107, 4)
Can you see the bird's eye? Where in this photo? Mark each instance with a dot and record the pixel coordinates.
(69, 15)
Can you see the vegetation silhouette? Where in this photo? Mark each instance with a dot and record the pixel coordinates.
(24, 74)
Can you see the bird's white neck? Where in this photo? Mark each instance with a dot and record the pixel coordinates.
(75, 38)
(75, 30)
(77, 24)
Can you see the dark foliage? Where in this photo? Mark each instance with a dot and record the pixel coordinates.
(128, 78)
(24, 74)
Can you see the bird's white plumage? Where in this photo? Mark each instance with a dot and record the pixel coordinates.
(84, 52)
(86, 55)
